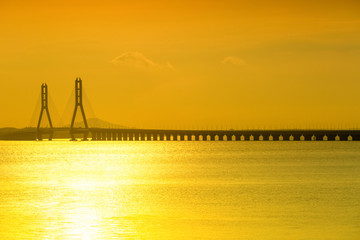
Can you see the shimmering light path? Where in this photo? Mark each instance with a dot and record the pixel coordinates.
(179, 190)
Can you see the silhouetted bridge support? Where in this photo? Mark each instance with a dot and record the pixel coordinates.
(79, 104)
(44, 108)
(99, 134)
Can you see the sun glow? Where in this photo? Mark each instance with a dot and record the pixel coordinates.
(82, 223)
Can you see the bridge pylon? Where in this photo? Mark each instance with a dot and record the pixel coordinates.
(79, 104)
(44, 107)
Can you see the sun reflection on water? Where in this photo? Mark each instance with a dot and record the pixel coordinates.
(153, 190)
(83, 223)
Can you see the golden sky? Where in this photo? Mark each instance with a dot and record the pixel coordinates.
(185, 64)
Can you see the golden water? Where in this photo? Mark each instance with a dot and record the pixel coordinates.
(180, 190)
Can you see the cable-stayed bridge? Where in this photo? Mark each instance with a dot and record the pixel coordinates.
(134, 134)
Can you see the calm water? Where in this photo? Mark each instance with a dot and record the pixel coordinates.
(180, 190)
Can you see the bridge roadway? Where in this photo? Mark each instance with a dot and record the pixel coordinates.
(108, 134)
(102, 134)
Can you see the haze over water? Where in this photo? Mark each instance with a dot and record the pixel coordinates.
(179, 190)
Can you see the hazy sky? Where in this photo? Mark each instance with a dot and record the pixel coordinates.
(185, 64)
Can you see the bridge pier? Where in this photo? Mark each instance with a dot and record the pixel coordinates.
(137, 137)
(98, 136)
(343, 136)
(112, 136)
(117, 136)
(109, 136)
(41, 132)
(286, 136)
(246, 137)
(85, 134)
(254, 137)
(296, 137)
(93, 136)
(103, 136)
(275, 137)
(161, 137)
(331, 137)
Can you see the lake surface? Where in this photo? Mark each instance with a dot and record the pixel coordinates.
(180, 190)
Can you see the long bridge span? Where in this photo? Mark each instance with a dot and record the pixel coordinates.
(127, 134)
(222, 135)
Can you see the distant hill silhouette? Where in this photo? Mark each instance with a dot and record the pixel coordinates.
(97, 123)
(7, 130)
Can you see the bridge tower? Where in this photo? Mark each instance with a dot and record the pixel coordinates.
(79, 104)
(44, 107)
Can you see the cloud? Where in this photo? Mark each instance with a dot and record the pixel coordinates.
(139, 61)
(231, 60)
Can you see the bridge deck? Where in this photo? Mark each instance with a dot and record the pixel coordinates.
(221, 135)
(108, 134)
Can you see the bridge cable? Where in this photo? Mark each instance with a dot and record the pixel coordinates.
(90, 113)
(54, 113)
(36, 112)
(69, 109)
